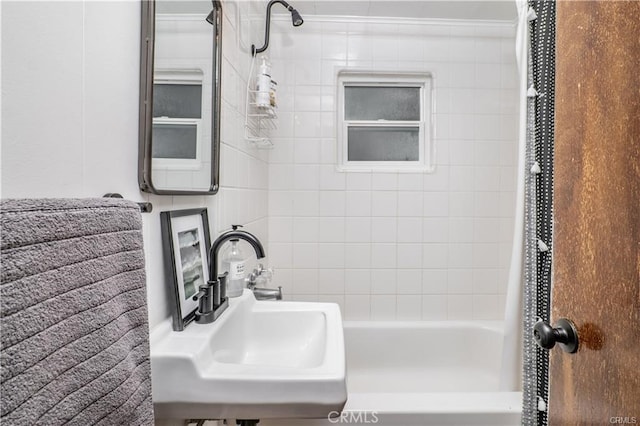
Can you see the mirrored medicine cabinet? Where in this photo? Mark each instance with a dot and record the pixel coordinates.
(180, 92)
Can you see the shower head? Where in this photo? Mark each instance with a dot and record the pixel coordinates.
(296, 19)
(209, 18)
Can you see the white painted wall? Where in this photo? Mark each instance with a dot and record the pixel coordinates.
(396, 245)
(70, 83)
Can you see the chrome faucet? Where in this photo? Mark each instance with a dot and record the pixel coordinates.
(260, 273)
(212, 300)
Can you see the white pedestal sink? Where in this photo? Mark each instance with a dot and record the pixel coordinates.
(260, 359)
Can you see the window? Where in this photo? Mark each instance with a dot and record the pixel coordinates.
(175, 139)
(384, 121)
(177, 119)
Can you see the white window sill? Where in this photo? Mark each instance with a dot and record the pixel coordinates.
(384, 169)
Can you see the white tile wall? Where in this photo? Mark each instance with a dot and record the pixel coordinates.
(395, 245)
(345, 237)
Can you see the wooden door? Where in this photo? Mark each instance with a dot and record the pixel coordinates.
(596, 261)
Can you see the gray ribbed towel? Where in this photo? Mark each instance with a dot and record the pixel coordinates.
(74, 345)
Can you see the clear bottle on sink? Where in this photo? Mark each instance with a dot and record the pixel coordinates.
(233, 262)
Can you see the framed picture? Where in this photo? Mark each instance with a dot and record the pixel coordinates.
(186, 243)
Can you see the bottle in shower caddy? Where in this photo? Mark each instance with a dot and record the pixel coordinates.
(263, 84)
(272, 94)
(233, 262)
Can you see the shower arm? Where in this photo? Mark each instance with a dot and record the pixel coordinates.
(255, 51)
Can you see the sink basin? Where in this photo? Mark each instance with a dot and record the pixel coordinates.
(260, 359)
(277, 339)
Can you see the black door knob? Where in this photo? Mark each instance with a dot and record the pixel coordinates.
(564, 333)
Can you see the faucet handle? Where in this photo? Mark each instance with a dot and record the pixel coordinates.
(268, 273)
(263, 272)
(259, 274)
(205, 299)
(252, 279)
(204, 291)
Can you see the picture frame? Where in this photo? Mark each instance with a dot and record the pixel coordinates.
(186, 241)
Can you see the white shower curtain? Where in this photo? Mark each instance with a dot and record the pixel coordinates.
(511, 374)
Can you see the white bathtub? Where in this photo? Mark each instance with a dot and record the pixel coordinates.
(423, 373)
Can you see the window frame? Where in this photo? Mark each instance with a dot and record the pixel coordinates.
(423, 81)
(181, 163)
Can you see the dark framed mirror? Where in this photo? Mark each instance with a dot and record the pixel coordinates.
(180, 92)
